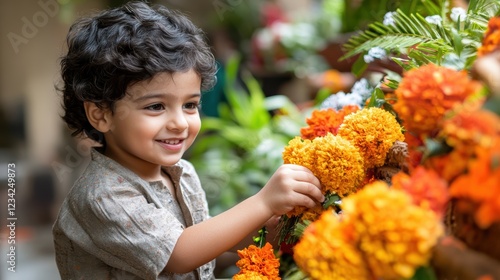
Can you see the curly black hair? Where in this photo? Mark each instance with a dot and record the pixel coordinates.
(115, 48)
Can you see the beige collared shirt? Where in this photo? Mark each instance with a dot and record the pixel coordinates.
(115, 225)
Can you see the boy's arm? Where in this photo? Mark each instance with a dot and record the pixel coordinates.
(291, 185)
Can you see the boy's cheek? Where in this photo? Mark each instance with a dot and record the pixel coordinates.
(122, 111)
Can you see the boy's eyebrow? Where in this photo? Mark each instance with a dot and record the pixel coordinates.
(159, 95)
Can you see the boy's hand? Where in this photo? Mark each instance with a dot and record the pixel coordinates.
(291, 185)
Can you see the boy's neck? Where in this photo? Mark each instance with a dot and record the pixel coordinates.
(147, 171)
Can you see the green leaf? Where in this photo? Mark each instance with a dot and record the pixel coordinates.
(359, 66)
(435, 147)
(424, 273)
(377, 98)
(330, 200)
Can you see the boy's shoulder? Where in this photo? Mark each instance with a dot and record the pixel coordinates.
(102, 175)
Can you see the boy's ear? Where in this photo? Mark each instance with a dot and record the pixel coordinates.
(98, 117)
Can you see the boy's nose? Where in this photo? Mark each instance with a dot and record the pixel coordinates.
(177, 121)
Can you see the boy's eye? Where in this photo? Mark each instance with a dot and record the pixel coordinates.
(155, 107)
(192, 106)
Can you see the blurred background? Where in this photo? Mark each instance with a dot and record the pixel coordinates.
(272, 48)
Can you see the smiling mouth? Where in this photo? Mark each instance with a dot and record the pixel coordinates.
(171, 142)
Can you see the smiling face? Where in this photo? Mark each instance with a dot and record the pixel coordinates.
(155, 123)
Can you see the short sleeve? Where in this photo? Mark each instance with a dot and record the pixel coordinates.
(128, 230)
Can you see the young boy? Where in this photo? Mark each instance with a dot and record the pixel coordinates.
(133, 78)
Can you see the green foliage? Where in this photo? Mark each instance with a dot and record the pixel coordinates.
(415, 42)
(359, 14)
(237, 152)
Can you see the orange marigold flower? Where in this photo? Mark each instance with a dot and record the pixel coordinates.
(425, 187)
(426, 93)
(467, 129)
(373, 131)
(482, 184)
(324, 121)
(334, 160)
(491, 39)
(394, 235)
(328, 250)
(448, 166)
(257, 263)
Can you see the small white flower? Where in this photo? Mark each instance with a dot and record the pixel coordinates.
(362, 88)
(374, 53)
(360, 92)
(389, 19)
(435, 19)
(340, 100)
(457, 13)
(350, 99)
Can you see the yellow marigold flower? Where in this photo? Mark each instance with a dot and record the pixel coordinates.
(250, 275)
(425, 187)
(426, 93)
(373, 131)
(327, 250)
(312, 214)
(257, 263)
(491, 39)
(334, 160)
(394, 235)
(324, 121)
(482, 184)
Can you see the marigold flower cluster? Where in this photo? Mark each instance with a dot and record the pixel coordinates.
(335, 161)
(491, 39)
(325, 121)
(257, 263)
(327, 250)
(425, 187)
(373, 131)
(381, 235)
(481, 184)
(427, 93)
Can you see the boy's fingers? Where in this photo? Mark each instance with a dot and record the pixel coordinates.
(310, 190)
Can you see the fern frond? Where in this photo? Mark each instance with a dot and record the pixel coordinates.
(387, 41)
(427, 42)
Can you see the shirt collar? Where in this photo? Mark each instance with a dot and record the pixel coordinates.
(174, 171)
